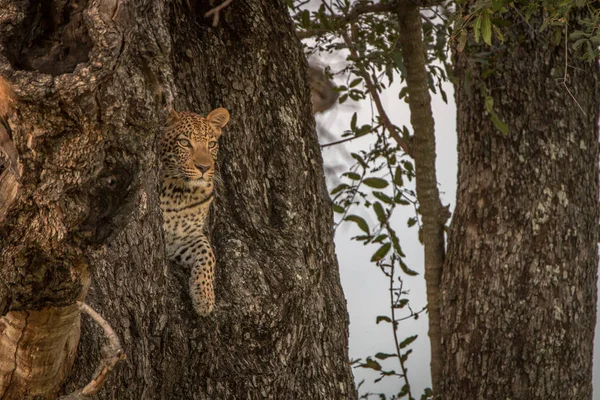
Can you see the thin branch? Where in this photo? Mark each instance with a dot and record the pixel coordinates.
(216, 11)
(385, 120)
(339, 141)
(394, 324)
(113, 353)
(564, 79)
(348, 139)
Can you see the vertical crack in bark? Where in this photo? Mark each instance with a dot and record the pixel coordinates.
(434, 214)
(37, 349)
(12, 374)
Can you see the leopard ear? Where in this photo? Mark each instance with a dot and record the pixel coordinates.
(219, 117)
(173, 117)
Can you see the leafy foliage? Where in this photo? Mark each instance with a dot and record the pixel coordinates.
(382, 177)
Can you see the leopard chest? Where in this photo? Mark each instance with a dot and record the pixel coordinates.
(184, 211)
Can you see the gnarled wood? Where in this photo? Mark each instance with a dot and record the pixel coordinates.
(86, 132)
(37, 349)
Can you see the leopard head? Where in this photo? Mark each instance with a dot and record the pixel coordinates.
(190, 145)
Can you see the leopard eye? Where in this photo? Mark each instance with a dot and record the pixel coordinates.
(212, 144)
(184, 143)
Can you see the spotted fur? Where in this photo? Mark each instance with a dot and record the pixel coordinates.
(189, 150)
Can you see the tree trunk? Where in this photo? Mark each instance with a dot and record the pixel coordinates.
(519, 281)
(434, 215)
(90, 77)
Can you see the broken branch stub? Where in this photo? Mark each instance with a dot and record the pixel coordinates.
(113, 353)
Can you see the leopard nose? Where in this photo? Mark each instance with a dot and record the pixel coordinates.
(203, 168)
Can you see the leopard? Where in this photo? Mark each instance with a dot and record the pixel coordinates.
(188, 151)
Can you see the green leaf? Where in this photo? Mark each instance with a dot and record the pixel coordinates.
(489, 104)
(398, 177)
(486, 28)
(399, 61)
(577, 45)
(305, 19)
(381, 252)
(477, 29)
(362, 238)
(352, 175)
(343, 98)
(383, 356)
(408, 341)
(380, 238)
(403, 392)
(362, 224)
(401, 303)
(339, 188)
(411, 221)
(379, 211)
(377, 183)
(363, 130)
(462, 40)
(427, 394)
(353, 122)
(337, 208)
(371, 364)
(383, 197)
(360, 160)
(355, 82)
(499, 124)
(382, 318)
(407, 270)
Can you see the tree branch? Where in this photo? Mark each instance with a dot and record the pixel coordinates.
(113, 353)
(385, 120)
(216, 11)
(434, 215)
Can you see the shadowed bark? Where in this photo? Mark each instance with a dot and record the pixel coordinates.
(90, 78)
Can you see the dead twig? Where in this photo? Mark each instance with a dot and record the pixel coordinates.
(215, 12)
(113, 353)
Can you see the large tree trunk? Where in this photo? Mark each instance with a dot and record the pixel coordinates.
(90, 78)
(519, 282)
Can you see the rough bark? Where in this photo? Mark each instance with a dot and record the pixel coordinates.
(90, 77)
(434, 215)
(519, 282)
